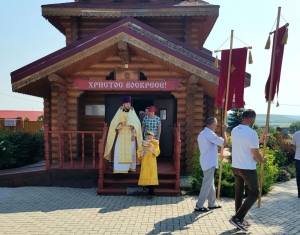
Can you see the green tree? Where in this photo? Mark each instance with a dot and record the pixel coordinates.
(40, 118)
(26, 119)
(295, 126)
(234, 118)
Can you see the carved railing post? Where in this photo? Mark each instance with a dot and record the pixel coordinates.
(177, 159)
(101, 147)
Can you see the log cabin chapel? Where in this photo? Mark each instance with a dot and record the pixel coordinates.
(151, 50)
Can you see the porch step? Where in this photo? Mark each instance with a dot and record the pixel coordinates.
(135, 175)
(135, 181)
(123, 191)
(124, 183)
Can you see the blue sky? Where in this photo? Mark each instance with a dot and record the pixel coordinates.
(27, 36)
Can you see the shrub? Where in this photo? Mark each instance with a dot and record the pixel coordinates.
(6, 152)
(270, 171)
(280, 157)
(291, 169)
(21, 149)
(227, 180)
(195, 180)
(283, 176)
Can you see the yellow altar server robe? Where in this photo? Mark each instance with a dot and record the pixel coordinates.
(148, 173)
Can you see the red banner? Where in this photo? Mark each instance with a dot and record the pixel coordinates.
(123, 85)
(237, 77)
(279, 49)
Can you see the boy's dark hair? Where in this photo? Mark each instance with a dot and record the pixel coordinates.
(249, 113)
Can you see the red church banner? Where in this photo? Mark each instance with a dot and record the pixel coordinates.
(123, 85)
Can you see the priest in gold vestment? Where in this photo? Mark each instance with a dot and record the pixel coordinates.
(125, 130)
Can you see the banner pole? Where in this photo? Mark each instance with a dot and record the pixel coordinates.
(225, 112)
(269, 107)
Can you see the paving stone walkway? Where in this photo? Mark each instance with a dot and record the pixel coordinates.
(54, 210)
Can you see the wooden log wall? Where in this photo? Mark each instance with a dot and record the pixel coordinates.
(101, 70)
(47, 117)
(89, 122)
(210, 111)
(191, 31)
(55, 123)
(180, 95)
(184, 29)
(47, 111)
(63, 115)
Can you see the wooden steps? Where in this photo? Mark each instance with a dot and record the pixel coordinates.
(123, 191)
(117, 184)
(163, 183)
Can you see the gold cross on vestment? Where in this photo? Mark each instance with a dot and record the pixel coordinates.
(232, 68)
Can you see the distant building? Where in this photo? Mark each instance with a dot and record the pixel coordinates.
(13, 114)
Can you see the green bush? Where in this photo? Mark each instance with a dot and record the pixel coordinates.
(270, 171)
(280, 158)
(283, 176)
(227, 181)
(6, 153)
(21, 148)
(195, 180)
(291, 169)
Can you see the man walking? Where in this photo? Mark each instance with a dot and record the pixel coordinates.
(296, 141)
(208, 143)
(245, 154)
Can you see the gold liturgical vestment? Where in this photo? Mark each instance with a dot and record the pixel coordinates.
(133, 127)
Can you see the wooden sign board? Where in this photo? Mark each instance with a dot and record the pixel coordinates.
(125, 85)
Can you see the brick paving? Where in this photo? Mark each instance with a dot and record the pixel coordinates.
(54, 210)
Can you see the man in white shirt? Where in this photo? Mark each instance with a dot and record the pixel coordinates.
(208, 143)
(245, 154)
(296, 141)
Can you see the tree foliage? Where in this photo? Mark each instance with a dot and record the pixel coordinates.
(40, 118)
(295, 126)
(235, 118)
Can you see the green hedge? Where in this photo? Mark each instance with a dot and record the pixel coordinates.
(20, 148)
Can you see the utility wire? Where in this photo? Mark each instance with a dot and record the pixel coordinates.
(19, 98)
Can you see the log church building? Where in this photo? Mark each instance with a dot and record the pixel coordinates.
(151, 50)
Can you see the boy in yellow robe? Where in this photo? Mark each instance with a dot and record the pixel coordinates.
(148, 153)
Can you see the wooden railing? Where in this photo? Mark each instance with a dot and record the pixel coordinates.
(61, 146)
(102, 161)
(176, 154)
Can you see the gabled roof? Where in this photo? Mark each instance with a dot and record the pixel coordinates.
(12, 114)
(200, 11)
(131, 8)
(143, 39)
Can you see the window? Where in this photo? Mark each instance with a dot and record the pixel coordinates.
(163, 114)
(95, 110)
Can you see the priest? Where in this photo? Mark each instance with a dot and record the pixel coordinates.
(125, 131)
